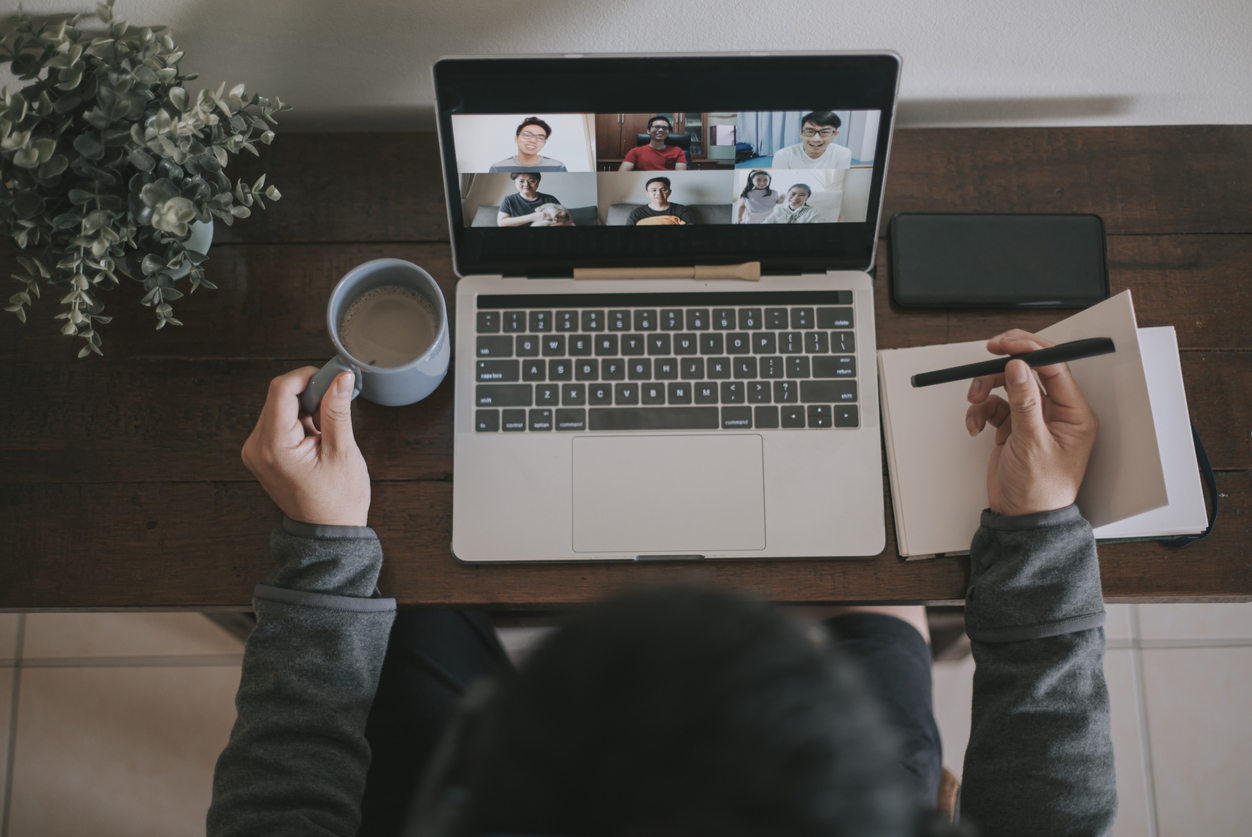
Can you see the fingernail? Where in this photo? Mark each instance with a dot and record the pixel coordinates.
(1016, 372)
(970, 427)
(975, 386)
(345, 383)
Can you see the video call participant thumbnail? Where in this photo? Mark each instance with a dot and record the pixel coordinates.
(816, 149)
(522, 208)
(656, 155)
(659, 210)
(758, 198)
(531, 136)
(796, 210)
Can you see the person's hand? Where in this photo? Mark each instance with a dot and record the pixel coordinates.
(314, 476)
(1043, 440)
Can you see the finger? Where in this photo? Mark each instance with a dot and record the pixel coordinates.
(1025, 402)
(336, 413)
(993, 411)
(1016, 342)
(282, 406)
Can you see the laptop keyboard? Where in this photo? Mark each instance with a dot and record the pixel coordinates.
(686, 361)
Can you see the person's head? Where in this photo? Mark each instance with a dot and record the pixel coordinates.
(798, 195)
(526, 181)
(659, 127)
(758, 179)
(676, 711)
(658, 190)
(531, 135)
(818, 129)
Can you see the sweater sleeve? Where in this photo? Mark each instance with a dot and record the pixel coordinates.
(1040, 754)
(297, 757)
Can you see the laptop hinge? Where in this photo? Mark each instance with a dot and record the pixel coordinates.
(750, 271)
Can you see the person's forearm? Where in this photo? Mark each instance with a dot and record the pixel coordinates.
(1040, 753)
(517, 220)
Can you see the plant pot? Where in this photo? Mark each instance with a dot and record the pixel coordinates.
(200, 240)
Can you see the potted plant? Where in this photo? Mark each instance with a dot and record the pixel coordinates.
(108, 165)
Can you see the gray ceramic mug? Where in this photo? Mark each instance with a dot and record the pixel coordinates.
(392, 386)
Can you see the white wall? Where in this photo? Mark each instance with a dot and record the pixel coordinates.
(366, 65)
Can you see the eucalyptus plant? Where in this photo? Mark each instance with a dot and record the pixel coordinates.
(106, 159)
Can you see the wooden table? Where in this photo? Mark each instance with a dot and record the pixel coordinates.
(121, 484)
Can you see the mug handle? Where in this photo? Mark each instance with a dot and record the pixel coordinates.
(311, 398)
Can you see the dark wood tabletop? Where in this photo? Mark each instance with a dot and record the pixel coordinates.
(121, 484)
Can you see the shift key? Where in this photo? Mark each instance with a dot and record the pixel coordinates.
(503, 395)
(821, 392)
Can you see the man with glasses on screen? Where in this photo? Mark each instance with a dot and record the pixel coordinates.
(817, 148)
(531, 136)
(656, 155)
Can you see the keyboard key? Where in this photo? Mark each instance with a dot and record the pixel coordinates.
(692, 368)
(744, 368)
(653, 394)
(573, 395)
(733, 392)
(580, 345)
(560, 370)
(654, 418)
(738, 343)
(801, 318)
(711, 344)
(841, 341)
(791, 343)
(724, 319)
(639, 369)
(685, 344)
(586, 370)
(771, 367)
(671, 319)
(797, 366)
(606, 345)
(495, 346)
(527, 345)
(503, 371)
(593, 321)
(764, 343)
(534, 370)
(540, 419)
(785, 392)
(719, 368)
(665, 369)
(488, 322)
(645, 320)
(540, 321)
(736, 418)
(486, 421)
(566, 321)
(827, 392)
(759, 392)
(619, 320)
(697, 319)
(600, 395)
(633, 344)
(513, 420)
(547, 395)
(846, 415)
(819, 415)
(502, 395)
(625, 393)
(776, 318)
(679, 393)
(658, 344)
(749, 319)
(766, 418)
(571, 419)
(829, 318)
(514, 322)
(613, 369)
(792, 416)
(554, 345)
(834, 366)
(816, 343)
(705, 393)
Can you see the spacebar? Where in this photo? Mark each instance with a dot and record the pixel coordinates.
(653, 418)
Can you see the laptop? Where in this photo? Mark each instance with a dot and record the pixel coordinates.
(621, 395)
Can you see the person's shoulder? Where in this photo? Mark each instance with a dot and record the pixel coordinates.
(842, 152)
(674, 151)
(632, 155)
(786, 153)
(548, 164)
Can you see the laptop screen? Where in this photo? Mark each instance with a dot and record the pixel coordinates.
(607, 161)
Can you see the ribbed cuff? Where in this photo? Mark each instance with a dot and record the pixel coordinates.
(319, 530)
(1017, 523)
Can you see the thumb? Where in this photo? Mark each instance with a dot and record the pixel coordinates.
(337, 414)
(1024, 401)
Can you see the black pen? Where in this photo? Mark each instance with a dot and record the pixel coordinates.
(1062, 353)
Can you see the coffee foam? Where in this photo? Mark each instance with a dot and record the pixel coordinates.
(388, 326)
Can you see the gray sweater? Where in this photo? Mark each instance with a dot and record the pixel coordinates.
(1039, 760)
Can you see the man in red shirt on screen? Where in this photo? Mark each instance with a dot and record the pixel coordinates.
(656, 155)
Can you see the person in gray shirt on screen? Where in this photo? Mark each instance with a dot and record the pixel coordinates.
(531, 136)
(522, 208)
(795, 209)
(658, 210)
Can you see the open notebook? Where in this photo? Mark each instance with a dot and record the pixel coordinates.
(1142, 480)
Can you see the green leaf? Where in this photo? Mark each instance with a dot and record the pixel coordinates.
(94, 221)
(27, 158)
(86, 350)
(170, 293)
(78, 197)
(240, 211)
(88, 146)
(178, 98)
(141, 160)
(54, 167)
(151, 264)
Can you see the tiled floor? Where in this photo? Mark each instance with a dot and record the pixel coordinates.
(124, 714)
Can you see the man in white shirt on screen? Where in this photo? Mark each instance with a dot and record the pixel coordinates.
(817, 148)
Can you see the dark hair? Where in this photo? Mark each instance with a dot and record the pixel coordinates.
(538, 177)
(749, 187)
(806, 187)
(821, 117)
(534, 120)
(664, 180)
(681, 710)
(668, 124)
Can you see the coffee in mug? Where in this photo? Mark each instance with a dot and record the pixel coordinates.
(388, 326)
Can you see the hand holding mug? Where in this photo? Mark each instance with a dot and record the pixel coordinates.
(1043, 439)
(314, 477)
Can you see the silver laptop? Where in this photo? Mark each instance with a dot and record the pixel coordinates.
(658, 411)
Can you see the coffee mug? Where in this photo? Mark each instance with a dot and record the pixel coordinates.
(390, 362)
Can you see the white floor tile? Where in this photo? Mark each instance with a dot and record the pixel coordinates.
(1197, 703)
(1117, 623)
(1195, 621)
(954, 695)
(118, 751)
(1134, 814)
(8, 636)
(124, 635)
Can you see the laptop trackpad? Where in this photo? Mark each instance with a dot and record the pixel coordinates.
(668, 494)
